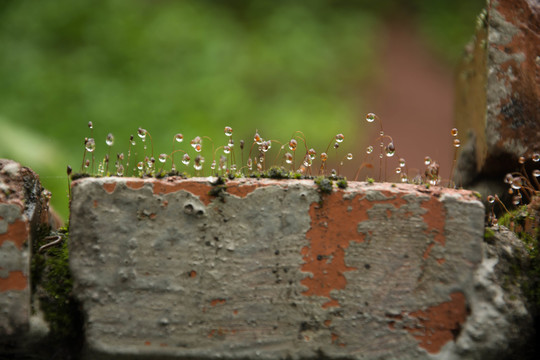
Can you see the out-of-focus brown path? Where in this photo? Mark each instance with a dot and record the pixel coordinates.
(414, 98)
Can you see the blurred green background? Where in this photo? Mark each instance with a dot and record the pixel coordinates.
(194, 67)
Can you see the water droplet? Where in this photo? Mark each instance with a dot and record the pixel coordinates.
(398, 170)
(120, 170)
(427, 160)
(517, 183)
(162, 158)
(90, 125)
(257, 138)
(536, 173)
(435, 181)
(516, 199)
(288, 158)
(140, 165)
(312, 153)
(197, 167)
(198, 147)
(231, 143)
(227, 149)
(508, 178)
(454, 132)
(381, 133)
(522, 160)
(307, 161)
(109, 140)
(213, 165)
(380, 156)
(233, 167)
(87, 163)
(120, 156)
(390, 150)
(132, 142)
(402, 162)
(369, 149)
(228, 130)
(179, 137)
(457, 143)
(340, 138)
(324, 157)
(491, 199)
(185, 159)
(250, 164)
(90, 145)
(370, 117)
(142, 133)
(259, 167)
(535, 157)
(349, 156)
(292, 144)
(510, 191)
(336, 145)
(265, 145)
(404, 178)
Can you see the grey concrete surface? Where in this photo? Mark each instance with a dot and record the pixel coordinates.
(272, 269)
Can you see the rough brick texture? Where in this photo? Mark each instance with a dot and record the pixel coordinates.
(498, 92)
(272, 269)
(23, 207)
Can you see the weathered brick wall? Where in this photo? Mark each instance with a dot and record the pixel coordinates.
(272, 268)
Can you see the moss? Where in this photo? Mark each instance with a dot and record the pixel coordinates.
(324, 185)
(52, 284)
(477, 194)
(342, 183)
(278, 173)
(370, 180)
(488, 233)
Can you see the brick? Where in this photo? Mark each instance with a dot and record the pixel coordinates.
(272, 269)
(498, 92)
(23, 207)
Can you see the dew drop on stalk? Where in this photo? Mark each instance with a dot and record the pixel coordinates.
(370, 117)
(120, 156)
(231, 143)
(427, 160)
(517, 183)
(142, 133)
(510, 191)
(312, 153)
(233, 167)
(87, 163)
(380, 156)
(90, 125)
(390, 150)
(144, 147)
(349, 156)
(162, 158)
(340, 138)
(90, 145)
(508, 178)
(109, 140)
(185, 159)
(259, 167)
(197, 167)
(242, 142)
(257, 138)
(398, 170)
(491, 199)
(369, 149)
(288, 158)
(516, 199)
(535, 157)
(179, 137)
(120, 170)
(457, 143)
(402, 162)
(250, 164)
(324, 157)
(228, 130)
(198, 147)
(336, 145)
(381, 133)
(404, 178)
(522, 160)
(140, 165)
(213, 165)
(227, 149)
(292, 144)
(454, 132)
(536, 173)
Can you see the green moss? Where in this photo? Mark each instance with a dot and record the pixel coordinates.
(324, 185)
(52, 283)
(477, 194)
(488, 233)
(370, 180)
(278, 173)
(342, 183)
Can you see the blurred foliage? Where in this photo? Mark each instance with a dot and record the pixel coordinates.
(193, 67)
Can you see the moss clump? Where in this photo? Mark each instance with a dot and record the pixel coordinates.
(52, 284)
(278, 173)
(342, 183)
(324, 185)
(488, 233)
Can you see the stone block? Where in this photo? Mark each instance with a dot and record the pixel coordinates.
(498, 92)
(23, 207)
(272, 269)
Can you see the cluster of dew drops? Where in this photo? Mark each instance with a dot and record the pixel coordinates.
(520, 185)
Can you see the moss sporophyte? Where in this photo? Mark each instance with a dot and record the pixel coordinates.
(293, 158)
